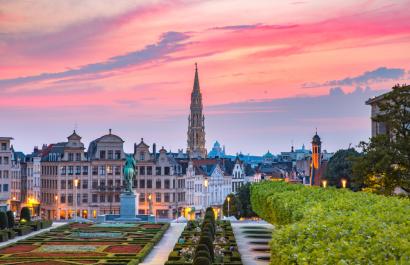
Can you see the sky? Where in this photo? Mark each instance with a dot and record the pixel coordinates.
(270, 72)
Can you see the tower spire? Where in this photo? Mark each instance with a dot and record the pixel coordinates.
(196, 80)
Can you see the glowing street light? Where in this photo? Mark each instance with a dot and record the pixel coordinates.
(344, 183)
(229, 199)
(324, 183)
(206, 183)
(76, 180)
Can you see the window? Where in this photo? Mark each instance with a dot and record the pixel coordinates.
(158, 171)
(102, 183)
(95, 170)
(95, 184)
(166, 197)
(158, 197)
(166, 171)
(142, 197)
(78, 170)
(142, 156)
(1, 159)
(158, 184)
(102, 154)
(85, 170)
(117, 198)
(149, 183)
(102, 170)
(95, 198)
(3, 146)
(85, 184)
(117, 154)
(63, 184)
(78, 156)
(110, 154)
(102, 197)
(117, 170)
(70, 184)
(142, 184)
(167, 184)
(118, 182)
(62, 198)
(6, 186)
(70, 157)
(85, 198)
(70, 170)
(70, 198)
(149, 170)
(110, 183)
(109, 198)
(6, 160)
(135, 184)
(109, 170)
(142, 170)
(63, 170)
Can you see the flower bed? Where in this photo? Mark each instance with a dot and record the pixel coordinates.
(333, 226)
(224, 245)
(72, 244)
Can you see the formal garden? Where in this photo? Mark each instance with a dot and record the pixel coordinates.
(10, 228)
(78, 243)
(206, 242)
(316, 225)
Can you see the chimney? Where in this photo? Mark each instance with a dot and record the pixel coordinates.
(154, 150)
(135, 148)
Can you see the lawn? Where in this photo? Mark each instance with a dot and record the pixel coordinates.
(86, 244)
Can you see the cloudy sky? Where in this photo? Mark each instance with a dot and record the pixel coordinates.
(270, 71)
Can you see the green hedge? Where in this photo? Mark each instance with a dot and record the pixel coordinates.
(333, 226)
(22, 230)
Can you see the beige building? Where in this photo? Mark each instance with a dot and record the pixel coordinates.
(377, 127)
(159, 182)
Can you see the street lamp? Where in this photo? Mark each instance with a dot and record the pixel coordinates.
(344, 183)
(324, 183)
(56, 202)
(229, 199)
(76, 180)
(206, 191)
(150, 203)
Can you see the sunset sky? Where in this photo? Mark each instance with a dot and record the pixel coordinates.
(270, 71)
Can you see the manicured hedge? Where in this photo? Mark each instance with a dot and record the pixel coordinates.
(328, 226)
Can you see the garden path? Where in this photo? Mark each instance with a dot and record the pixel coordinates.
(18, 238)
(159, 254)
(245, 247)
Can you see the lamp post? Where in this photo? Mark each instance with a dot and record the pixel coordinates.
(150, 204)
(206, 191)
(324, 183)
(229, 199)
(75, 197)
(344, 183)
(56, 202)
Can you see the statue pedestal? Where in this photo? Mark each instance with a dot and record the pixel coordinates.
(128, 206)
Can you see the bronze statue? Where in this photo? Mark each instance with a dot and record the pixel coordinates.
(129, 171)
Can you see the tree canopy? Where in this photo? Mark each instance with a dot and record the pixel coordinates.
(385, 163)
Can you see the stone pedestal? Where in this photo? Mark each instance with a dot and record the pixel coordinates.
(128, 206)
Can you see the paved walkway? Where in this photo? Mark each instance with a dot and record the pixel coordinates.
(18, 238)
(159, 254)
(245, 246)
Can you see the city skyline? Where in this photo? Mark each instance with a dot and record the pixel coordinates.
(98, 68)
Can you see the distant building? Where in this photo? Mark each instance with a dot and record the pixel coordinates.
(318, 162)
(377, 127)
(217, 151)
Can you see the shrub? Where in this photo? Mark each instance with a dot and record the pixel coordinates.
(202, 253)
(4, 236)
(3, 220)
(10, 219)
(22, 230)
(326, 225)
(25, 214)
(208, 242)
(202, 261)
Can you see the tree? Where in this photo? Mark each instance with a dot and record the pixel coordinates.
(3, 220)
(10, 219)
(385, 163)
(234, 206)
(340, 167)
(244, 196)
(25, 214)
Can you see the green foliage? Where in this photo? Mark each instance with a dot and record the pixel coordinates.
(202, 261)
(234, 206)
(327, 225)
(340, 167)
(10, 219)
(25, 214)
(385, 163)
(244, 196)
(3, 220)
(202, 253)
(209, 243)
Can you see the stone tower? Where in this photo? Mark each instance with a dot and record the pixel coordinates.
(196, 123)
(316, 160)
